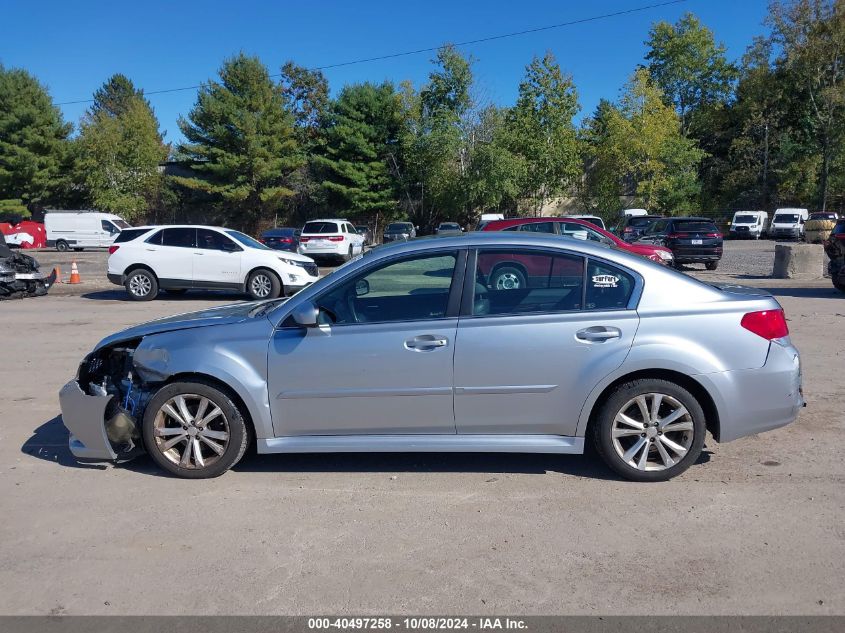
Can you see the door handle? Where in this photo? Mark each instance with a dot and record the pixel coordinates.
(199, 253)
(426, 343)
(598, 334)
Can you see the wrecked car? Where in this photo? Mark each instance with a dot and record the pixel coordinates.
(20, 276)
(834, 246)
(413, 347)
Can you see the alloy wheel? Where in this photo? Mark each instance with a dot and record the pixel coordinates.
(191, 431)
(508, 281)
(140, 285)
(652, 432)
(261, 285)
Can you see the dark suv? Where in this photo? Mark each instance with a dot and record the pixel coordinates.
(834, 246)
(634, 225)
(691, 240)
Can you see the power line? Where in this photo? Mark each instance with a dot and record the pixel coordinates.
(431, 49)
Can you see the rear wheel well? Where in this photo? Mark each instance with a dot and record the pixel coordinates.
(510, 264)
(222, 386)
(711, 413)
(129, 269)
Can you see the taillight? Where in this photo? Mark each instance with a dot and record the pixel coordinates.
(713, 235)
(302, 240)
(285, 240)
(767, 323)
(113, 249)
(628, 229)
(674, 236)
(336, 238)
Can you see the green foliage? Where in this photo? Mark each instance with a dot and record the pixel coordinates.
(119, 151)
(361, 129)
(33, 140)
(306, 95)
(541, 131)
(688, 66)
(242, 143)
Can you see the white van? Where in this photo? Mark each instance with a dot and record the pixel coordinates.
(627, 213)
(788, 224)
(754, 224)
(82, 229)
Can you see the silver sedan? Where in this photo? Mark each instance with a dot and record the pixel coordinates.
(488, 342)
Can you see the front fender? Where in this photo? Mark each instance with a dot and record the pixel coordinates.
(236, 355)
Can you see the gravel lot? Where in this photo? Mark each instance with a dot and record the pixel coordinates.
(755, 528)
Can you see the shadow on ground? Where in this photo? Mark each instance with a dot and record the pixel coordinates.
(49, 442)
(193, 295)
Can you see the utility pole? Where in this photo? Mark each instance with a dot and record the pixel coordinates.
(766, 166)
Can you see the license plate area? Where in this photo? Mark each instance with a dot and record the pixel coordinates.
(696, 242)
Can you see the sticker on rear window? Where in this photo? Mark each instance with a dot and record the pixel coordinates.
(605, 281)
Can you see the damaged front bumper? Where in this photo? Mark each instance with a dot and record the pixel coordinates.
(85, 418)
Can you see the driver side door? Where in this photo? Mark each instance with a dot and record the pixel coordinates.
(381, 360)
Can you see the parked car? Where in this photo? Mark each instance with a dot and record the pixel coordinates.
(834, 247)
(448, 228)
(788, 224)
(365, 232)
(634, 225)
(398, 231)
(330, 239)
(20, 275)
(488, 217)
(593, 219)
(691, 240)
(179, 258)
(281, 239)
(581, 229)
(82, 229)
(604, 345)
(749, 224)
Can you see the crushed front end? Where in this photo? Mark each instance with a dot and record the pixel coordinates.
(103, 405)
(19, 275)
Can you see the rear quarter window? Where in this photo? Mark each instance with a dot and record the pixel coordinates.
(608, 287)
(127, 235)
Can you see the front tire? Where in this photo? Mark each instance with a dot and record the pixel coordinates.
(650, 430)
(141, 285)
(193, 430)
(262, 284)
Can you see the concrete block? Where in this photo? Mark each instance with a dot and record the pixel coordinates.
(798, 261)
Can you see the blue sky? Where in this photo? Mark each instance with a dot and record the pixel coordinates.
(72, 47)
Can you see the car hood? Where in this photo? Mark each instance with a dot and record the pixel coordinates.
(222, 315)
(293, 256)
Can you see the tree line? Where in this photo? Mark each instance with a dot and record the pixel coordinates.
(690, 132)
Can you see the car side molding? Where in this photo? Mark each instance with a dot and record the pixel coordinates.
(452, 443)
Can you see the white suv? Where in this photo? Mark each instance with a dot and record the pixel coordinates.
(178, 258)
(337, 239)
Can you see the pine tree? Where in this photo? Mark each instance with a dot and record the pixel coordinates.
(241, 143)
(33, 140)
(362, 124)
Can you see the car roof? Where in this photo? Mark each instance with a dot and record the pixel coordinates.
(280, 228)
(327, 220)
(180, 226)
(687, 218)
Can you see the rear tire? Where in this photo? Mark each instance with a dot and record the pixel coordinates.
(508, 278)
(711, 265)
(622, 433)
(141, 285)
(220, 437)
(62, 246)
(263, 284)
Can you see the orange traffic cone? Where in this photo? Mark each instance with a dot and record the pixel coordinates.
(74, 274)
(58, 271)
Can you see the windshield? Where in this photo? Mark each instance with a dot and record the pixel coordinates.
(246, 240)
(320, 227)
(745, 219)
(786, 218)
(449, 226)
(398, 226)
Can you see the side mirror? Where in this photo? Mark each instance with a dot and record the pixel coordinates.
(362, 287)
(305, 314)
(230, 247)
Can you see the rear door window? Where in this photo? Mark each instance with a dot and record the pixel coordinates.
(527, 282)
(538, 227)
(179, 237)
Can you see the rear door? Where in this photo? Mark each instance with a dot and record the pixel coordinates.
(170, 252)
(527, 358)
